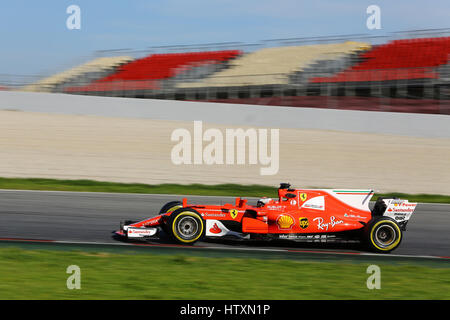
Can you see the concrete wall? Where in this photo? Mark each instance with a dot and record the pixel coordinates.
(406, 124)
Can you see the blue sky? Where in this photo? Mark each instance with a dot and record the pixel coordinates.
(35, 39)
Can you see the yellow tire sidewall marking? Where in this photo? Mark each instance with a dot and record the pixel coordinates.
(186, 213)
(393, 245)
(172, 209)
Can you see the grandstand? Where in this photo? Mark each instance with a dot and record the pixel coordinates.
(84, 73)
(150, 72)
(398, 60)
(406, 75)
(271, 66)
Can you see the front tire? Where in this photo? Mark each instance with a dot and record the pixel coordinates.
(383, 234)
(186, 226)
(170, 207)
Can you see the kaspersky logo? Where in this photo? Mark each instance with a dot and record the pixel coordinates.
(285, 222)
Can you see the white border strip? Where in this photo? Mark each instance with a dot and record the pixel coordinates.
(292, 251)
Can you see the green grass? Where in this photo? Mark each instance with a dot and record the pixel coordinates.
(190, 189)
(39, 274)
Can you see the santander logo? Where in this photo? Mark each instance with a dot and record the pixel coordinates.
(215, 229)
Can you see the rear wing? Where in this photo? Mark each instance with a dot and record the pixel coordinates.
(397, 209)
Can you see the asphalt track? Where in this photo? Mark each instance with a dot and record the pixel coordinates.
(83, 217)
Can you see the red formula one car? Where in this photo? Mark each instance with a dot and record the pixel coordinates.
(298, 214)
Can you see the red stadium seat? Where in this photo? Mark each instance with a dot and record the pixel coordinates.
(162, 66)
(155, 67)
(396, 60)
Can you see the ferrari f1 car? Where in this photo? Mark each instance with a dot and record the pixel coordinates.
(298, 214)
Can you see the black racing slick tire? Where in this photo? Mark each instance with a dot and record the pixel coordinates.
(170, 207)
(186, 226)
(383, 234)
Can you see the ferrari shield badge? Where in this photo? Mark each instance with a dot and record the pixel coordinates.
(233, 213)
(303, 196)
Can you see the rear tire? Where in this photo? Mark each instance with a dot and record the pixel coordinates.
(186, 226)
(383, 234)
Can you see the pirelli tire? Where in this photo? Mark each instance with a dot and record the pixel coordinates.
(383, 234)
(169, 207)
(186, 226)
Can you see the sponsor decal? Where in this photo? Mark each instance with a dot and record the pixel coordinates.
(316, 203)
(313, 206)
(221, 215)
(233, 213)
(293, 202)
(321, 225)
(303, 196)
(285, 222)
(353, 216)
(311, 237)
(138, 232)
(402, 210)
(152, 222)
(400, 214)
(215, 229)
(303, 222)
(274, 207)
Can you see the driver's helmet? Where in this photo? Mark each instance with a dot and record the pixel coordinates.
(263, 201)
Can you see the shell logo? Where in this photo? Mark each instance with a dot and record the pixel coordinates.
(285, 221)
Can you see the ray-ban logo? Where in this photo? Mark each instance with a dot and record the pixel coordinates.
(229, 147)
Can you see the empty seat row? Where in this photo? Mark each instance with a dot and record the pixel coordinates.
(98, 67)
(273, 65)
(348, 61)
(156, 67)
(397, 60)
(162, 66)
